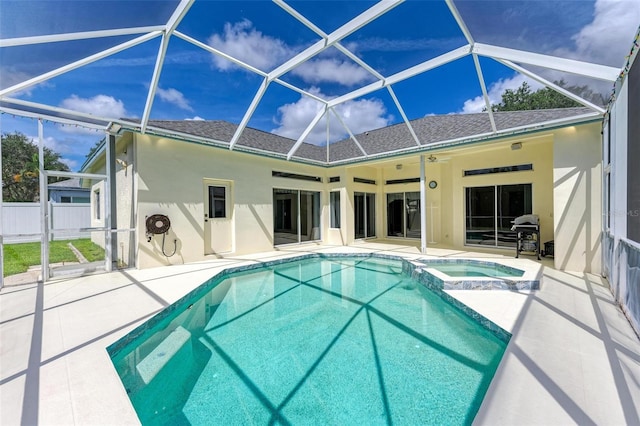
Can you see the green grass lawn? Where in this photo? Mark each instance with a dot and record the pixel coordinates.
(18, 257)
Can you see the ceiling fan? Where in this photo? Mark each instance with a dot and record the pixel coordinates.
(433, 159)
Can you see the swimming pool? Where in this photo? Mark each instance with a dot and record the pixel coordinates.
(331, 340)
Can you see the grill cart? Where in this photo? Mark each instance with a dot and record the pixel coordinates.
(527, 229)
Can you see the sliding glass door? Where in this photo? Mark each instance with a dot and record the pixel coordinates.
(490, 211)
(364, 209)
(403, 215)
(296, 216)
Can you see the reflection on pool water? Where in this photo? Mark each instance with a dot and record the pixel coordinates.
(335, 340)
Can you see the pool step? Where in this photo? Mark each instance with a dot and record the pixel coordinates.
(176, 343)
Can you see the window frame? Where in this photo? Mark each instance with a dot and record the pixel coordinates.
(334, 210)
(496, 215)
(212, 202)
(97, 209)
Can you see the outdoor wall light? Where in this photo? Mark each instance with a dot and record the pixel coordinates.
(517, 145)
(398, 166)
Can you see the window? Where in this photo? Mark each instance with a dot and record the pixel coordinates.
(334, 207)
(64, 199)
(490, 211)
(397, 181)
(296, 176)
(505, 169)
(96, 198)
(217, 202)
(363, 180)
(403, 215)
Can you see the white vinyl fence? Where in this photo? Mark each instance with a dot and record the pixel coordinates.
(21, 220)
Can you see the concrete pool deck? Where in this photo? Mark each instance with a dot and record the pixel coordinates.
(573, 357)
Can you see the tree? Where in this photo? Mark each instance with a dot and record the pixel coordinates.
(94, 148)
(20, 167)
(524, 99)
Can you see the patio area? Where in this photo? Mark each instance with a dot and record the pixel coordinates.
(573, 357)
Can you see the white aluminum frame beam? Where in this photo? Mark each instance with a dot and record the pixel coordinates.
(1, 219)
(249, 112)
(423, 207)
(357, 60)
(342, 49)
(485, 95)
(244, 65)
(353, 138)
(217, 52)
(59, 120)
(44, 211)
(461, 24)
(177, 16)
(57, 173)
(327, 41)
(53, 109)
(404, 116)
(430, 64)
(353, 25)
(77, 64)
(162, 51)
(83, 35)
(306, 132)
(586, 69)
(551, 85)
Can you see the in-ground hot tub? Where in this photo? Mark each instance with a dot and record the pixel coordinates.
(472, 274)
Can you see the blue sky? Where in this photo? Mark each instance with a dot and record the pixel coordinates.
(195, 84)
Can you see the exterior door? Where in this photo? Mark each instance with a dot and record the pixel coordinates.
(364, 215)
(218, 217)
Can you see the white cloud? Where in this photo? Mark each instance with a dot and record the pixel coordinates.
(359, 116)
(72, 164)
(607, 39)
(174, 97)
(100, 105)
(11, 77)
(242, 41)
(196, 118)
(332, 70)
(496, 89)
(67, 147)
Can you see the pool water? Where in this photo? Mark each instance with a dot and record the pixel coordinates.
(317, 341)
(475, 269)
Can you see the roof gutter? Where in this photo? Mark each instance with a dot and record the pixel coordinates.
(476, 139)
(451, 143)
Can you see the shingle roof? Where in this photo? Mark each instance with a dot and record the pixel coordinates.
(429, 130)
(67, 183)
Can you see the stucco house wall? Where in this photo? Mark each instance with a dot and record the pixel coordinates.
(577, 198)
(170, 182)
(165, 176)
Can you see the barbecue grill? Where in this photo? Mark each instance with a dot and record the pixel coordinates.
(527, 229)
